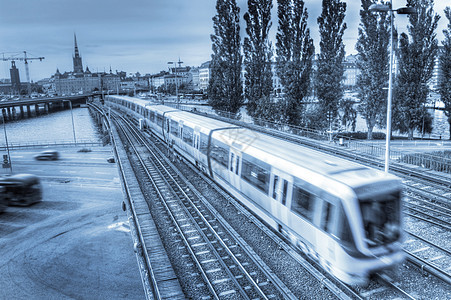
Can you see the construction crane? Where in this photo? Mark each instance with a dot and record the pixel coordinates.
(25, 59)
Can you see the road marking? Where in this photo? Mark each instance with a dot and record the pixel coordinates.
(120, 226)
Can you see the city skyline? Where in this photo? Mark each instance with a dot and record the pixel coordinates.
(141, 37)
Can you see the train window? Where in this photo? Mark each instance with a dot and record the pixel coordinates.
(380, 214)
(151, 116)
(326, 217)
(174, 128)
(274, 188)
(237, 164)
(219, 152)
(159, 120)
(255, 172)
(187, 135)
(231, 161)
(203, 143)
(303, 203)
(343, 229)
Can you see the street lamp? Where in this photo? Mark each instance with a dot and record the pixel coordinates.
(404, 11)
(7, 160)
(72, 115)
(176, 77)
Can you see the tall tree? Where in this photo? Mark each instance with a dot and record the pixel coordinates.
(225, 91)
(372, 46)
(445, 67)
(257, 55)
(416, 59)
(295, 50)
(330, 70)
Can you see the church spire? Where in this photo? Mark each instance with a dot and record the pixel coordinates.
(78, 66)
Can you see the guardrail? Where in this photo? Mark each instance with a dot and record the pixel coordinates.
(49, 144)
(425, 160)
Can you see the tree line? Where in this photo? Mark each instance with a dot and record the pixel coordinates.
(293, 55)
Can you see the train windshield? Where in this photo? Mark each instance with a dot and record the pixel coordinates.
(381, 218)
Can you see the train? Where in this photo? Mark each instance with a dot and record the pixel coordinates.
(344, 215)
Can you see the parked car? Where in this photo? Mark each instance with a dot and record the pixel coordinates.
(47, 155)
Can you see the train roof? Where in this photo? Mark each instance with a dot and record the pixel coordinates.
(187, 117)
(199, 120)
(138, 101)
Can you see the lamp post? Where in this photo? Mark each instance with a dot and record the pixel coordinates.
(402, 10)
(176, 77)
(72, 116)
(7, 162)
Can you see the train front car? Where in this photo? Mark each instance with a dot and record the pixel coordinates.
(342, 214)
(374, 212)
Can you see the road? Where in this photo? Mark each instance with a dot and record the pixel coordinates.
(75, 244)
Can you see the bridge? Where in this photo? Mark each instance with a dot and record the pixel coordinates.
(47, 104)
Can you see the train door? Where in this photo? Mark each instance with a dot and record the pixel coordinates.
(281, 189)
(167, 129)
(328, 224)
(234, 168)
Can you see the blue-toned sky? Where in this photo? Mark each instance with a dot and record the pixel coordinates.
(136, 35)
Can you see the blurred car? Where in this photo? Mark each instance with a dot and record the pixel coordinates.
(47, 155)
(3, 199)
(21, 189)
(111, 160)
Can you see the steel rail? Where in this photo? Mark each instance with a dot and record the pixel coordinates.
(387, 281)
(160, 195)
(426, 220)
(428, 242)
(431, 268)
(206, 222)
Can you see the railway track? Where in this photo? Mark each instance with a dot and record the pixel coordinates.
(428, 236)
(385, 286)
(226, 265)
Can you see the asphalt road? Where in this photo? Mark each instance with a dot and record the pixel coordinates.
(75, 244)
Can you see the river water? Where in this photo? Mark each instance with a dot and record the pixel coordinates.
(57, 127)
(53, 127)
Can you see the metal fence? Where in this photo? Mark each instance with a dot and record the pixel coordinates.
(369, 148)
(49, 144)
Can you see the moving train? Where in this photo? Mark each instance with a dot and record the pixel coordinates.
(344, 215)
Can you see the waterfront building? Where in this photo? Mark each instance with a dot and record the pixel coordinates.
(157, 80)
(79, 81)
(204, 76)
